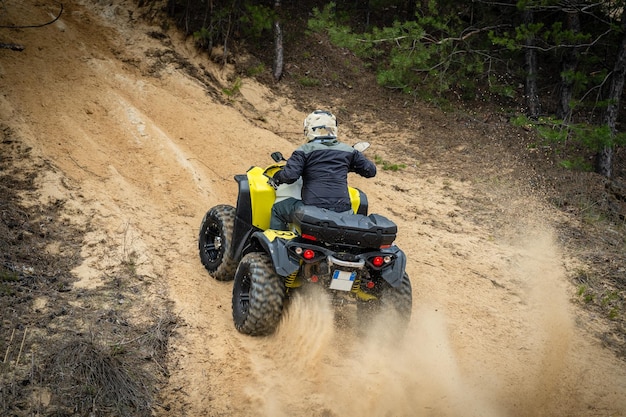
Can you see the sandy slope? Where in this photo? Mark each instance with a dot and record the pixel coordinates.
(144, 156)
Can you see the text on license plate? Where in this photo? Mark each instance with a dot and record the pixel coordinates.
(342, 280)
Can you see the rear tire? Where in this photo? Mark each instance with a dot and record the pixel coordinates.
(395, 303)
(258, 296)
(399, 301)
(216, 242)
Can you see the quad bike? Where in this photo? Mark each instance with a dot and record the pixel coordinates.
(350, 255)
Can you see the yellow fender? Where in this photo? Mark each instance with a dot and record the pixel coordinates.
(262, 195)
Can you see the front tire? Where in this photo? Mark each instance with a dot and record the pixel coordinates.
(258, 296)
(216, 242)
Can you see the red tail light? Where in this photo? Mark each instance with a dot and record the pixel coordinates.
(378, 261)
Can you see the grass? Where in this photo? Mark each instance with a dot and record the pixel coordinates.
(85, 369)
(255, 70)
(593, 292)
(234, 89)
(388, 166)
(7, 277)
(309, 82)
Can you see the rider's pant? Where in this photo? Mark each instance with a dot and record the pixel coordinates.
(282, 211)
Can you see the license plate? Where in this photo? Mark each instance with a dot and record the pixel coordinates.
(342, 280)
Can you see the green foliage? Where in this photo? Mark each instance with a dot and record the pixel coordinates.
(572, 138)
(321, 17)
(7, 276)
(500, 88)
(439, 52)
(326, 17)
(388, 166)
(308, 82)
(503, 39)
(234, 89)
(610, 302)
(256, 20)
(443, 49)
(585, 294)
(609, 298)
(335, 26)
(216, 29)
(216, 23)
(422, 57)
(575, 77)
(255, 70)
(577, 163)
(203, 37)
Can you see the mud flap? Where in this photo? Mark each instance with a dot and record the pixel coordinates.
(273, 241)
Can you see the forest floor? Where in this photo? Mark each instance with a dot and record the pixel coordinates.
(118, 135)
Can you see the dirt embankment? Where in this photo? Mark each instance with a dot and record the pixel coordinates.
(137, 148)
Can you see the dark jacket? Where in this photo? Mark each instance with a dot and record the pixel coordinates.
(324, 166)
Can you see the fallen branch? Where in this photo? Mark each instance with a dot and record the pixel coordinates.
(17, 362)
(12, 46)
(38, 25)
(9, 346)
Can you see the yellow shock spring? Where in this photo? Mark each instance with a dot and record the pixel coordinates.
(356, 289)
(290, 281)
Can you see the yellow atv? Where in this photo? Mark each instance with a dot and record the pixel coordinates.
(352, 256)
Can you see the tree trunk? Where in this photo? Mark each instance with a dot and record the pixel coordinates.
(568, 67)
(604, 158)
(604, 161)
(278, 44)
(532, 96)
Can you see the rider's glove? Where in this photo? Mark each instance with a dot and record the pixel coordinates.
(273, 182)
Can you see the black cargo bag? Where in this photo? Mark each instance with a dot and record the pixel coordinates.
(327, 226)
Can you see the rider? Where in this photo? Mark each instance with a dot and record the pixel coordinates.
(323, 164)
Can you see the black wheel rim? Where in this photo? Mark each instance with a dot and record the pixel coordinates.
(212, 246)
(244, 293)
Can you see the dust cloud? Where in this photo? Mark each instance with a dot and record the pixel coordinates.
(538, 267)
(321, 358)
(315, 357)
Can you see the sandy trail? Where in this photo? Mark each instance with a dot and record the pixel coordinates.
(144, 150)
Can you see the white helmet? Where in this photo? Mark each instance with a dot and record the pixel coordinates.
(320, 124)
